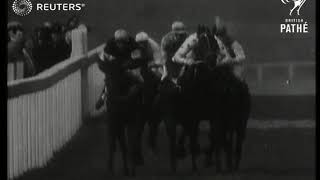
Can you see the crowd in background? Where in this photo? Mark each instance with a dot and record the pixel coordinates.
(48, 44)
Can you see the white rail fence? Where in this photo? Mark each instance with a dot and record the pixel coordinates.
(15, 70)
(281, 78)
(46, 110)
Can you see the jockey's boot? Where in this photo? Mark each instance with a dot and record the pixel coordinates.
(139, 161)
(100, 102)
(208, 159)
(181, 152)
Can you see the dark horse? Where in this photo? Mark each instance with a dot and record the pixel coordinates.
(231, 100)
(179, 103)
(211, 92)
(124, 101)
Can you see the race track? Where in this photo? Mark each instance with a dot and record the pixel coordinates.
(270, 152)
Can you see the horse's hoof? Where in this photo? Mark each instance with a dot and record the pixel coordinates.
(227, 172)
(208, 163)
(219, 171)
(132, 173)
(173, 172)
(111, 173)
(139, 161)
(195, 173)
(181, 153)
(154, 151)
(126, 171)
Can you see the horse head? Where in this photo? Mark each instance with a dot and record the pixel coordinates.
(207, 47)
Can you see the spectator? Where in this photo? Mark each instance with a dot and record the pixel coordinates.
(42, 50)
(51, 46)
(60, 47)
(17, 49)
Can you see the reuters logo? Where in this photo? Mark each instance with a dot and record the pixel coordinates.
(22, 7)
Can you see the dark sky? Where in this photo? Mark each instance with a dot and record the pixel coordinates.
(255, 23)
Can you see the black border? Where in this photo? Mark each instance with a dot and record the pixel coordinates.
(317, 95)
(4, 93)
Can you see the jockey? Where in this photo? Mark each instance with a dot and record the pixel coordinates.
(169, 45)
(234, 52)
(123, 49)
(151, 50)
(151, 73)
(231, 52)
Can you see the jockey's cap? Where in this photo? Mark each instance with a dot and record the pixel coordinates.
(220, 25)
(13, 24)
(141, 37)
(47, 24)
(178, 26)
(121, 34)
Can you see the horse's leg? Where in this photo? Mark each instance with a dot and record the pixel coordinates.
(239, 142)
(154, 122)
(218, 148)
(124, 150)
(240, 136)
(209, 151)
(229, 150)
(140, 128)
(132, 146)
(194, 146)
(111, 146)
(171, 131)
(153, 134)
(181, 151)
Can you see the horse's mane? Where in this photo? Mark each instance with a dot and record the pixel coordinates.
(207, 43)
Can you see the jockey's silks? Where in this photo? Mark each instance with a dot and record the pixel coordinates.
(169, 45)
(186, 55)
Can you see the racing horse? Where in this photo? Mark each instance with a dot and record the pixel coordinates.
(214, 93)
(124, 102)
(230, 98)
(179, 101)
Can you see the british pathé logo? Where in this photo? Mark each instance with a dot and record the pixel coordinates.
(22, 7)
(297, 4)
(294, 25)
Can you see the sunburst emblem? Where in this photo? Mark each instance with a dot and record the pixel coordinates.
(22, 7)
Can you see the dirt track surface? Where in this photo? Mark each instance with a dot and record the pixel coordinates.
(284, 153)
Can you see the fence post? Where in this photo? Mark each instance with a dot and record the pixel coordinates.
(260, 74)
(291, 72)
(10, 72)
(79, 47)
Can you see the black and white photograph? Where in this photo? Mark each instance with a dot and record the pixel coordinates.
(161, 89)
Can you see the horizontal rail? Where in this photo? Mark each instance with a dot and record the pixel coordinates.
(294, 63)
(51, 76)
